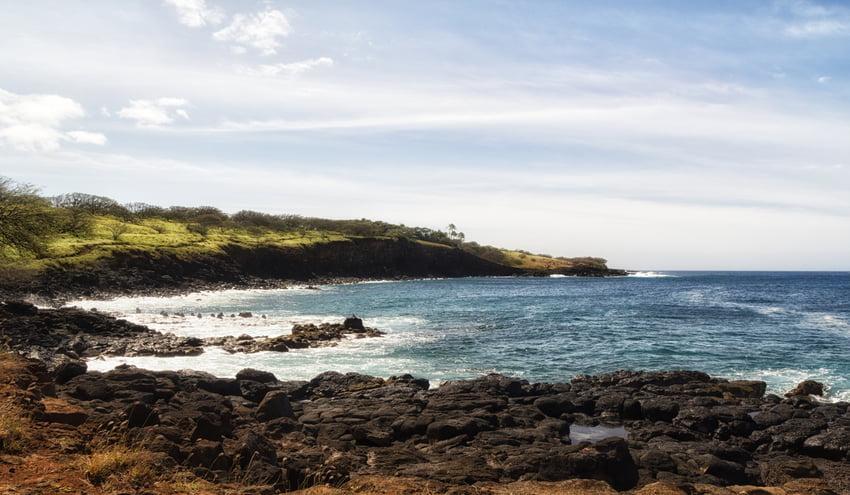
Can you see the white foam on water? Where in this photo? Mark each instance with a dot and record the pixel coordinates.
(649, 274)
(781, 380)
(826, 321)
(372, 356)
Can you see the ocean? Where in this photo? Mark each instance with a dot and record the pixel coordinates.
(781, 327)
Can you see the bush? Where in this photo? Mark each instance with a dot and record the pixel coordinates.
(117, 229)
(26, 220)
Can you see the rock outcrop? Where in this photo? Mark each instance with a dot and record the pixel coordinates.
(61, 337)
(682, 428)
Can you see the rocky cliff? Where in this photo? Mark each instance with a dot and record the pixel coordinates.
(134, 271)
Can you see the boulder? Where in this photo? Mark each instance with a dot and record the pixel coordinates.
(807, 387)
(66, 368)
(556, 405)
(253, 391)
(353, 323)
(256, 375)
(140, 415)
(662, 409)
(274, 405)
(834, 443)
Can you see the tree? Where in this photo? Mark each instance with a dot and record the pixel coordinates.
(455, 235)
(78, 209)
(117, 229)
(26, 220)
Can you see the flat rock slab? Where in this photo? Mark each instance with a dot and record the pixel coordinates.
(60, 411)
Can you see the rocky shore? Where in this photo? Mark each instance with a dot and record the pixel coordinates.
(674, 432)
(63, 337)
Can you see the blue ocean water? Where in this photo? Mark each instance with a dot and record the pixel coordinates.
(778, 326)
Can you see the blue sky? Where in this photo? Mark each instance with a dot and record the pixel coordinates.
(660, 135)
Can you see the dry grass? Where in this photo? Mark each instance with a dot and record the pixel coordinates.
(186, 483)
(120, 464)
(14, 428)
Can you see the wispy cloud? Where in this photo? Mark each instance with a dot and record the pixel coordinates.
(36, 122)
(818, 28)
(812, 20)
(196, 13)
(153, 113)
(261, 31)
(289, 69)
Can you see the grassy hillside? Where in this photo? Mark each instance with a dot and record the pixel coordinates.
(109, 235)
(82, 232)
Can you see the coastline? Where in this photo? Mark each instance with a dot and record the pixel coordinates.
(134, 272)
(628, 430)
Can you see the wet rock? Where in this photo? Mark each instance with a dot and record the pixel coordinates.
(807, 387)
(744, 388)
(353, 323)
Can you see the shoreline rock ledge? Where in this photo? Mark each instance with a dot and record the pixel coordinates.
(63, 337)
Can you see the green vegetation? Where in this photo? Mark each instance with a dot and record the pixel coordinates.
(36, 232)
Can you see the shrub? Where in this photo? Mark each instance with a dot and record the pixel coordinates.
(117, 229)
(26, 220)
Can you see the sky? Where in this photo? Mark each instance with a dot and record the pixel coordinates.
(656, 134)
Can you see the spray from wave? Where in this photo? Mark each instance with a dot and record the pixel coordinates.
(649, 274)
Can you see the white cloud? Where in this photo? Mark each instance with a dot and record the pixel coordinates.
(152, 113)
(34, 122)
(196, 13)
(260, 30)
(818, 28)
(290, 69)
(86, 137)
(824, 79)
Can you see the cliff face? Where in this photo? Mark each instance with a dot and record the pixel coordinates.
(134, 271)
(366, 258)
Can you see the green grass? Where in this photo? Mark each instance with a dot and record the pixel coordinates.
(110, 235)
(528, 261)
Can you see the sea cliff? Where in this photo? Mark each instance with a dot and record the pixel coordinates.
(130, 271)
